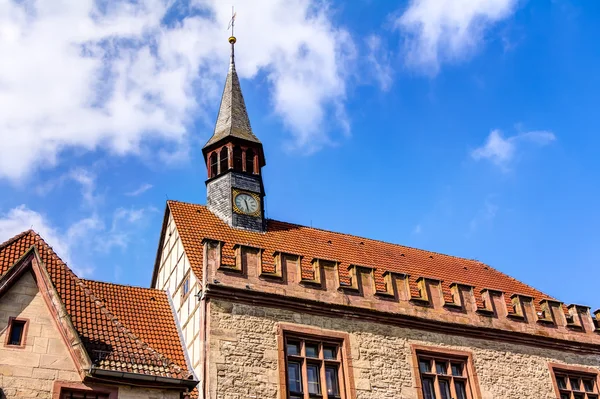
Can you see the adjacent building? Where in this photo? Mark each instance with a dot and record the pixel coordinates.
(69, 338)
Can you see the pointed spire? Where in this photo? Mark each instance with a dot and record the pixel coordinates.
(233, 118)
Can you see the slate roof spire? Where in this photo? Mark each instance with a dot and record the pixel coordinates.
(232, 120)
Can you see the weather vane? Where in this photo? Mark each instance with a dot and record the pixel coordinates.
(232, 24)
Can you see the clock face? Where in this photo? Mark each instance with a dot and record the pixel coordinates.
(246, 203)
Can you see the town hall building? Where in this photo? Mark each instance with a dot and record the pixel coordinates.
(242, 307)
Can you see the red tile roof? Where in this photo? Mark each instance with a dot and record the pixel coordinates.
(196, 222)
(127, 329)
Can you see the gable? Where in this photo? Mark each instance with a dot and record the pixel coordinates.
(172, 260)
(108, 343)
(45, 356)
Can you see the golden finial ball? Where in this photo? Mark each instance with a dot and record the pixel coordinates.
(232, 40)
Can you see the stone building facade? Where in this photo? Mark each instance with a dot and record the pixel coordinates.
(282, 311)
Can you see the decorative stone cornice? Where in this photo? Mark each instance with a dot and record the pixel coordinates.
(403, 297)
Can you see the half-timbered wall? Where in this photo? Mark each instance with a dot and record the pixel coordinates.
(174, 269)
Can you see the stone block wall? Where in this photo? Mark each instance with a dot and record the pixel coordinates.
(243, 353)
(30, 372)
(219, 199)
(147, 393)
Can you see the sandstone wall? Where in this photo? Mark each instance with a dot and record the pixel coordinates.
(144, 393)
(30, 372)
(244, 357)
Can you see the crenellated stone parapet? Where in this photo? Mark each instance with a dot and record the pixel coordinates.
(330, 282)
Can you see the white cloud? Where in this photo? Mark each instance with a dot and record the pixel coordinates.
(501, 151)
(436, 31)
(485, 216)
(379, 62)
(87, 235)
(417, 230)
(22, 218)
(87, 180)
(84, 177)
(140, 190)
(88, 75)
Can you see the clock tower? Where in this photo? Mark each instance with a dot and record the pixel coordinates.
(234, 159)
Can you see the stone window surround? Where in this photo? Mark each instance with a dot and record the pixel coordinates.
(464, 356)
(11, 320)
(570, 369)
(59, 386)
(305, 332)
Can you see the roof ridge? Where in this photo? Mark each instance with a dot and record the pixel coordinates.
(124, 329)
(416, 249)
(15, 238)
(426, 251)
(348, 235)
(379, 241)
(38, 236)
(121, 285)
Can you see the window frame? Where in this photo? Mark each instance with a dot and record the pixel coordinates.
(62, 387)
(238, 158)
(250, 161)
(213, 164)
(449, 355)
(574, 371)
(9, 327)
(304, 333)
(187, 280)
(223, 161)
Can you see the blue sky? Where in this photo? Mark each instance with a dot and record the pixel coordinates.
(464, 127)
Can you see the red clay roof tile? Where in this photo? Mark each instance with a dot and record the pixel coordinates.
(195, 223)
(110, 319)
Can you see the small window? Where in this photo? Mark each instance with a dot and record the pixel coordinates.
(16, 332)
(457, 369)
(237, 158)
(214, 164)
(329, 352)
(575, 384)
(224, 160)
(250, 161)
(186, 286)
(73, 394)
(314, 379)
(312, 350)
(293, 348)
(294, 378)
(424, 365)
(333, 381)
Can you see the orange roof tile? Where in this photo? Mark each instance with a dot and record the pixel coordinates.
(195, 223)
(110, 319)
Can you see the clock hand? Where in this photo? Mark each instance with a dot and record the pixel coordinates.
(247, 207)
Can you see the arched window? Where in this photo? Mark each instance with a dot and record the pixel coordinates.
(250, 161)
(237, 158)
(214, 164)
(224, 159)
